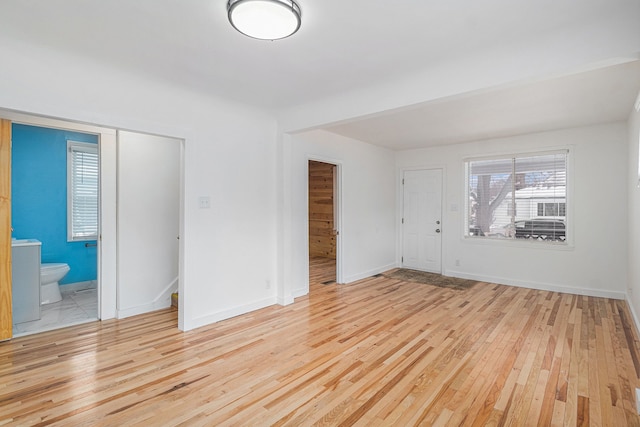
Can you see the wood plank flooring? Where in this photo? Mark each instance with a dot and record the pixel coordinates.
(375, 352)
(322, 270)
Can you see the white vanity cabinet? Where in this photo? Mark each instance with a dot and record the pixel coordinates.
(25, 280)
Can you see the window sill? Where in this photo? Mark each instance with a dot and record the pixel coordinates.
(520, 243)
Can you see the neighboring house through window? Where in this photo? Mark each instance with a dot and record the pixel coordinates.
(552, 209)
(82, 191)
(522, 196)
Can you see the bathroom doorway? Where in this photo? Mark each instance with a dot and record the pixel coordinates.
(54, 200)
(110, 302)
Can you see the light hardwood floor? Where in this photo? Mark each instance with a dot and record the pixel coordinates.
(375, 352)
(322, 270)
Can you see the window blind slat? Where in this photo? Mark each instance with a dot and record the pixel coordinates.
(83, 195)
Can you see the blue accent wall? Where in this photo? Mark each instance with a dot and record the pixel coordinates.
(39, 197)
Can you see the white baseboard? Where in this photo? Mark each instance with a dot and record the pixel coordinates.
(298, 293)
(348, 279)
(633, 314)
(373, 272)
(228, 313)
(539, 286)
(162, 300)
(79, 286)
(144, 308)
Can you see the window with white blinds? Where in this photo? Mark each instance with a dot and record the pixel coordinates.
(82, 191)
(518, 197)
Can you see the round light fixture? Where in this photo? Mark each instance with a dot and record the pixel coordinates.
(264, 19)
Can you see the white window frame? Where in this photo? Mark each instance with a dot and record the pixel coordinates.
(566, 243)
(637, 109)
(84, 147)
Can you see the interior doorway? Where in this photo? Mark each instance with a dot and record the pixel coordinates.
(52, 215)
(56, 208)
(148, 212)
(109, 303)
(324, 221)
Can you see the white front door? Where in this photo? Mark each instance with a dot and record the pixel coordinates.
(422, 220)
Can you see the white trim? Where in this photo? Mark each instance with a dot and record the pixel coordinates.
(79, 286)
(518, 243)
(638, 147)
(107, 243)
(516, 155)
(636, 321)
(337, 220)
(181, 237)
(298, 293)
(290, 299)
(231, 312)
(141, 309)
(56, 327)
(537, 285)
(85, 147)
(373, 272)
(54, 123)
(163, 300)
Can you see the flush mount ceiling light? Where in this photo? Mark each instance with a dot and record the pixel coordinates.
(264, 19)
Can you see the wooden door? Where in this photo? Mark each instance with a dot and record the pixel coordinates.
(322, 228)
(421, 222)
(6, 322)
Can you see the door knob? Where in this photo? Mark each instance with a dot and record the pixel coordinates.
(437, 230)
(437, 222)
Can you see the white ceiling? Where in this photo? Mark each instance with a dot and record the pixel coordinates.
(344, 46)
(600, 96)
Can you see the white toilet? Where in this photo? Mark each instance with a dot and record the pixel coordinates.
(50, 275)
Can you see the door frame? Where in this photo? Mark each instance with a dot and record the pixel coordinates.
(107, 214)
(6, 308)
(337, 209)
(400, 210)
(157, 303)
(106, 250)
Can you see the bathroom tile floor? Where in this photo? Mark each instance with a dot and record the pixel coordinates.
(77, 306)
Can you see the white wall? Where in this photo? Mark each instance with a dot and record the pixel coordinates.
(368, 205)
(633, 185)
(229, 250)
(148, 205)
(596, 261)
(254, 234)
